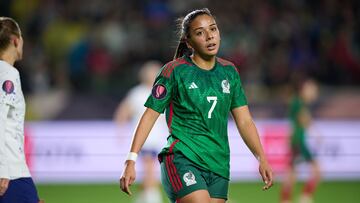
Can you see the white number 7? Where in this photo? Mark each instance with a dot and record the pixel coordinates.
(209, 99)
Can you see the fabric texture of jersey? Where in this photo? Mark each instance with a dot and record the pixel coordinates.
(12, 114)
(197, 104)
(298, 131)
(299, 147)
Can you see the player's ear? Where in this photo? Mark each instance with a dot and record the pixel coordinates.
(188, 44)
(15, 40)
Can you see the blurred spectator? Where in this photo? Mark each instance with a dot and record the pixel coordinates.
(268, 40)
(131, 109)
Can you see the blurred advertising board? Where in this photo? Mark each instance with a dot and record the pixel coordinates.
(94, 151)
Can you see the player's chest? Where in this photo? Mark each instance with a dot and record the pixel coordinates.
(195, 85)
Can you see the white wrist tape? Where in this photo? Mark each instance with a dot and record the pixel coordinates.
(132, 156)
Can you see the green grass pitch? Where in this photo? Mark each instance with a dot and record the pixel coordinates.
(328, 192)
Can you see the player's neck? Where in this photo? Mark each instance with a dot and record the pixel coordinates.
(8, 58)
(206, 64)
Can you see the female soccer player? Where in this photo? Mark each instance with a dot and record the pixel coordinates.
(198, 90)
(306, 93)
(16, 184)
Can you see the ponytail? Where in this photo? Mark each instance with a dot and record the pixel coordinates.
(182, 50)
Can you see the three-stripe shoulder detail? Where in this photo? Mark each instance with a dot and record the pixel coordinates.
(169, 67)
(224, 62)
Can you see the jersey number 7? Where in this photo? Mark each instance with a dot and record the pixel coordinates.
(212, 99)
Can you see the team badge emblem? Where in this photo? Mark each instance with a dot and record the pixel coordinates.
(225, 86)
(159, 91)
(8, 87)
(189, 178)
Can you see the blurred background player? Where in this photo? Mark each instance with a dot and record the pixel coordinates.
(306, 92)
(131, 109)
(16, 184)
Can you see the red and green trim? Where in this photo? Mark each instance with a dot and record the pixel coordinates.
(171, 169)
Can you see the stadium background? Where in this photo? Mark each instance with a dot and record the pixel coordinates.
(82, 56)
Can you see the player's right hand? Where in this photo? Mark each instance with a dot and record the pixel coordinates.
(128, 177)
(266, 174)
(4, 184)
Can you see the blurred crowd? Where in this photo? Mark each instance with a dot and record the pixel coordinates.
(86, 54)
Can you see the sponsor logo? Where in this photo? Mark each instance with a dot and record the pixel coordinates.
(159, 91)
(193, 86)
(8, 87)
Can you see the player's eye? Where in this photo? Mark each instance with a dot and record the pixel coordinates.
(213, 29)
(199, 33)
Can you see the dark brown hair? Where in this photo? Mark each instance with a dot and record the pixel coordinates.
(184, 27)
(8, 27)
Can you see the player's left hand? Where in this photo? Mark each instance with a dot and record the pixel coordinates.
(4, 184)
(266, 174)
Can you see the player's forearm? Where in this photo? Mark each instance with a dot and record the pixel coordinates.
(143, 129)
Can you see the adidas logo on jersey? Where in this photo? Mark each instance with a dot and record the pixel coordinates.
(193, 86)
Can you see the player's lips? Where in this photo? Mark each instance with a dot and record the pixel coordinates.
(211, 46)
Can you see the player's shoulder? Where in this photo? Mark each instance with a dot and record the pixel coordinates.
(9, 78)
(8, 72)
(169, 68)
(227, 64)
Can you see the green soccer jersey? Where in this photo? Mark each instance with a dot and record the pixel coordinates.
(298, 131)
(197, 104)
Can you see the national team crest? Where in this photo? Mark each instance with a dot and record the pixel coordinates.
(225, 86)
(8, 87)
(159, 91)
(189, 178)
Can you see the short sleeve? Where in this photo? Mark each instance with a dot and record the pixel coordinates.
(8, 82)
(238, 98)
(162, 90)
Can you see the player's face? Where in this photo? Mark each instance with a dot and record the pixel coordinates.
(204, 36)
(310, 91)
